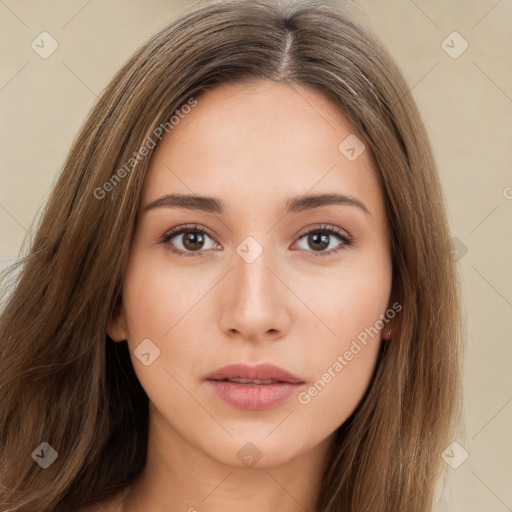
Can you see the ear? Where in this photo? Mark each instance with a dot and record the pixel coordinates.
(116, 328)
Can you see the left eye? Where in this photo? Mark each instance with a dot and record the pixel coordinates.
(320, 238)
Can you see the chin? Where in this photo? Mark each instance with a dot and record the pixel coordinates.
(254, 450)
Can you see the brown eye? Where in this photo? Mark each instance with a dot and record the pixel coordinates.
(187, 240)
(192, 240)
(320, 238)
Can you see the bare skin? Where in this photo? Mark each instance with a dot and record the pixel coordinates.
(295, 306)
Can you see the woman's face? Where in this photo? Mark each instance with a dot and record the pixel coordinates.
(262, 279)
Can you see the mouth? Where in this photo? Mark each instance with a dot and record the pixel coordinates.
(253, 387)
(239, 380)
(262, 373)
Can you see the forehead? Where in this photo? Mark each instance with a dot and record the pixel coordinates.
(265, 140)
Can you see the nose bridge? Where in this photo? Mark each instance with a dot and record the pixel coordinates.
(253, 279)
(253, 303)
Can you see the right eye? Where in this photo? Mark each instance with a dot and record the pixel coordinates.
(191, 239)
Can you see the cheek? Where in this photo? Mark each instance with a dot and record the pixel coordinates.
(347, 301)
(339, 388)
(159, 306)
(164, 304)
(341, 363)
(341, 368)
(158, 298)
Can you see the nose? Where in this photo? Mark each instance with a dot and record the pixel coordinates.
(255, 300)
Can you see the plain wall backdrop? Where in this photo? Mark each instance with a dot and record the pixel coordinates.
(462, 83)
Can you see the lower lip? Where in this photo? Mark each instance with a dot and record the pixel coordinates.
(253, 397)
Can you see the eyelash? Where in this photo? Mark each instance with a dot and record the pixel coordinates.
(325, 229)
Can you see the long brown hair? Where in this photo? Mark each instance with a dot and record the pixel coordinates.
(64, 382)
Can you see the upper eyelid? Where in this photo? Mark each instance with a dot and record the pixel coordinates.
(327, 227)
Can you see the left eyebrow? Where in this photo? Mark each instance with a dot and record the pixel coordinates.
(300, 204)
(213, 205)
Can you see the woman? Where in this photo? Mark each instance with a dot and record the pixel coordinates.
(241, 292)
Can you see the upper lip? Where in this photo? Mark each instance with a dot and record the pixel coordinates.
(262, 371)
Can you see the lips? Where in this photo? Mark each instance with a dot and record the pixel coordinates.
(253, 387)
(263, 374)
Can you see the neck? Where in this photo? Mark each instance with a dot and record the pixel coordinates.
(185, 478)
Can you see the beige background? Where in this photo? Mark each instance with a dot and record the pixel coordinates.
(467, 106)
